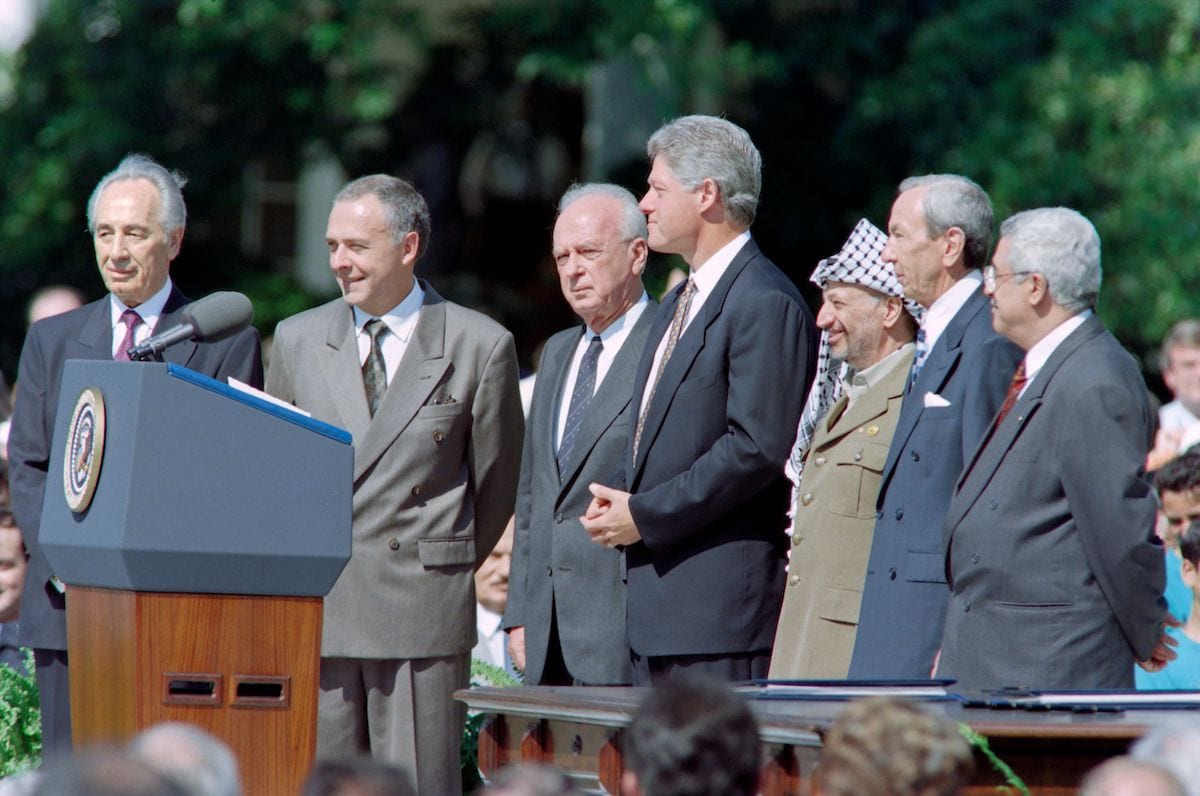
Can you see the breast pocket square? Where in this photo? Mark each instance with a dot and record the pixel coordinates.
(932, 399)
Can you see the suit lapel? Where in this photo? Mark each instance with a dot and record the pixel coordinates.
(939, 365)
(556, 364)
(172, 315)
(611, 398)
(96, 334)
(419, 373)
(339, 366)
(690, 344)
(990, 454)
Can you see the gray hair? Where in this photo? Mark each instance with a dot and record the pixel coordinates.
(955, 201)
(633, 222)
(196, 760)
(403, 205)
(1061, 245)
(1184, 334)
(169, 184)
(700, 147)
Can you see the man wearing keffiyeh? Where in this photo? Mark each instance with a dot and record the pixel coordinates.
(866, 350)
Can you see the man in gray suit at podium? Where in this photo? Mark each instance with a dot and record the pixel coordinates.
(137, 217)
(566, 596)
(428, 389)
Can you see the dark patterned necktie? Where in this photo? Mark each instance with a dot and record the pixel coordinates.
(132, 321)
(677, 321)
(918, 359)
(374, 369)
(1014, 391)
(581, 396)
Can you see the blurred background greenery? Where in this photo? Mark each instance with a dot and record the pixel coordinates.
(493, 106)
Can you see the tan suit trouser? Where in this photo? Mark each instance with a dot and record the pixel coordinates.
(400, 711)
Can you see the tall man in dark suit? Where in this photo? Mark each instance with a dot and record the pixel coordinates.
(1055, 574)
(428, 389)
(566, 599)
(137, 217)
(719, 389)
(939, 234)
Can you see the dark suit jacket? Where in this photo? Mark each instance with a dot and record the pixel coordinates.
(84, 333)
(1056, 577)
(904, 596)
(708, 491)
(556, 566)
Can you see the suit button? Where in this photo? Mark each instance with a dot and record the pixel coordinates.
(438, 436)
(993, 505)
(967, 607)
(879, 514)
(858, 456)
(549, 572)
(806, 498)
(794, 580)
(916, 457)
(891, 573)
(819, 460)
(975, 558)
(557, 518)
(899, 514)
(796, 540)
(394, 543)
(416, 490)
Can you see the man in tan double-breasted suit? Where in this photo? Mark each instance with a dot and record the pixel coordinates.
(429, 391)
(842, 443)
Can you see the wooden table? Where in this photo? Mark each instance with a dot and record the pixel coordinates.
(579, 731)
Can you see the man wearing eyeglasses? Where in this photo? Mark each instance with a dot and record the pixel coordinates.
(1055, 573)
(939, 234)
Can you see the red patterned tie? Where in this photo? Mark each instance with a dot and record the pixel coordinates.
(132, 321)
(1014, 390)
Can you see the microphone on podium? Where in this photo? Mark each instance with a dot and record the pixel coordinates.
(214, 317)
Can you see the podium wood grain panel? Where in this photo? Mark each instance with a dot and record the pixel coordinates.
(122, 644)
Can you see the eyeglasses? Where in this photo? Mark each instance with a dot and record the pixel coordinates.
(990, 279)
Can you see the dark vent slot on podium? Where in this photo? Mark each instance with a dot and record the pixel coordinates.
(191, 689)
(251, 691)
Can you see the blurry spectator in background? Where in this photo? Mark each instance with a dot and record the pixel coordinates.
(491, 596)
(103, 772)
(526, 779)
(53, 300)
(1184, 671)
(357, 777)
(194, 759)
(691, 737)
(1179, 420)
(1123, 776)
(1174, 744)
(12, 579)
(1178, 486)
(886, 747)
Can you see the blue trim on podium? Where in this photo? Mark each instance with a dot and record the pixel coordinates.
(200, 380)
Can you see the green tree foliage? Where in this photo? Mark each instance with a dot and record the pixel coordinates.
(1092, 105)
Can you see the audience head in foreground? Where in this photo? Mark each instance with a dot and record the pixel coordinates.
(691, 737)
(886, 747)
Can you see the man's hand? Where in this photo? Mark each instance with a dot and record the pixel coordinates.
(607, 519)
(1162, 654)
(516, 647)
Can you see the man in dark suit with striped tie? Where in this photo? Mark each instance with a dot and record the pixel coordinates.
(729, 360)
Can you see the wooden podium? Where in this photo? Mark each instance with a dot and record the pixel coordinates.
(216, 522)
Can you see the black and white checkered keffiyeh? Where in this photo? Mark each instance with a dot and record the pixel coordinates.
(858, 263)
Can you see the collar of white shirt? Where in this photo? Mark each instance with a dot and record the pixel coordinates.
(150, 311)
(1037, 356)
(401, 319)
(942, 311)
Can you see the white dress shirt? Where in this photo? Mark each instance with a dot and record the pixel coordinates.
(942, 311)
(401, 320)
(150, 311)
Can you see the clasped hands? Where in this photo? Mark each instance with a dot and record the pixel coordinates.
(607, 519)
